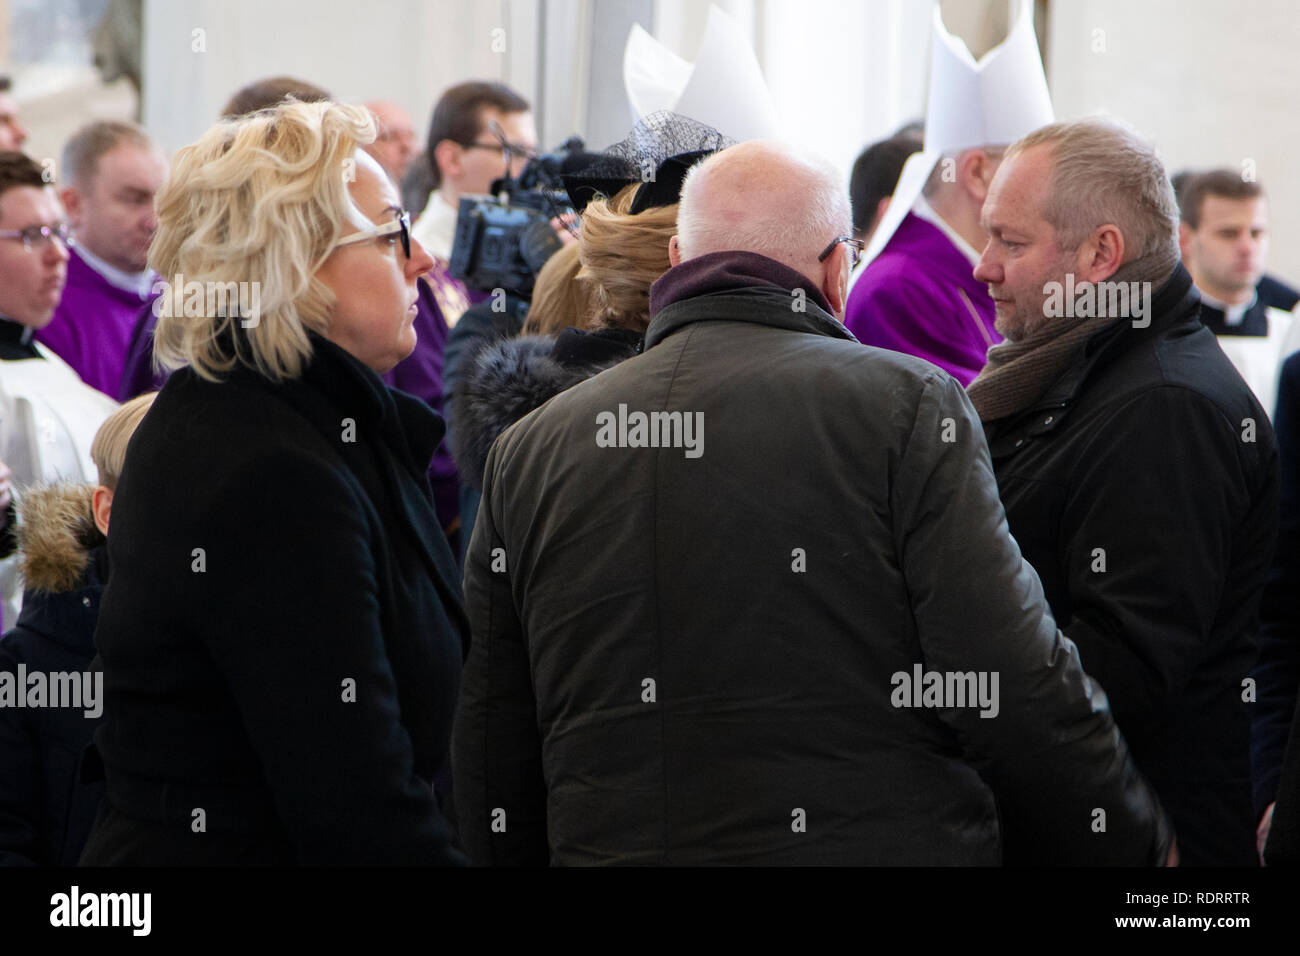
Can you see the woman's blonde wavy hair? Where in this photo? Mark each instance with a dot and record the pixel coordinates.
(258, 198)
(622, 255)
(560, 298)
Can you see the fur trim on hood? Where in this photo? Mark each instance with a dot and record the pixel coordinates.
(507, 380)
(56, 532)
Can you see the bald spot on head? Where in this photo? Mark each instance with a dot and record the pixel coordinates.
(762, 197)
(388, 113)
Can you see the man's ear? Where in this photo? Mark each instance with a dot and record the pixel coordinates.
(102, 504)
(975, 169)
(674, 252)
(835, 281)
(1101, 254)
(447, 155)
(1184, 240)
(70, 197)
(882, 207)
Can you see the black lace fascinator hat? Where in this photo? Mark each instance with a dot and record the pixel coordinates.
(658, 153)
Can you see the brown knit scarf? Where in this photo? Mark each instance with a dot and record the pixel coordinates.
(1018, 373)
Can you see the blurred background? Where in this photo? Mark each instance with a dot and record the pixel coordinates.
(1212, 83)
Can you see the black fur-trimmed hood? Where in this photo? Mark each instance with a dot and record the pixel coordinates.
(510, 378)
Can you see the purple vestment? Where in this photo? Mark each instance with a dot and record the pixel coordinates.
(91, 328)
(138, 375)
(919, 297)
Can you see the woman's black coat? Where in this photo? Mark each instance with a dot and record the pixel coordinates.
(283, 636)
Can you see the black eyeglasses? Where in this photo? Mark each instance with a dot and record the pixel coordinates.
(401, 225)
(39, 235)
(855, 250)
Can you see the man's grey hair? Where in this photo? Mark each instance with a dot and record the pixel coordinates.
(83, 151)
(792, 228)
(1106, 173)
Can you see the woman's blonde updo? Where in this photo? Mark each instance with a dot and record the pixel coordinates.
(622, 255)
(259, 198)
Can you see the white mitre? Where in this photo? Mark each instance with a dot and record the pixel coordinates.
(723, 88)
(990, 103)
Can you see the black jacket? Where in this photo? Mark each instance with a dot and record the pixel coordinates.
(1278, 670)
(1276, 293)
(45, 812)
(1143, 488)
(478, 327)
(282, 636)
(691, 659)
(508, 379)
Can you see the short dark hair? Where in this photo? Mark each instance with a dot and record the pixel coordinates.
(417, 184)
(875, 176)
(5, 83)
(458, 115)
(1224, 183)
(19, 169)
(264, 94)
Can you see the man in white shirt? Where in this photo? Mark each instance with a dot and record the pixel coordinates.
(1223, 238)
(466, 153)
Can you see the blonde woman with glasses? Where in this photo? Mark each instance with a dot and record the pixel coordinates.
(282, 638)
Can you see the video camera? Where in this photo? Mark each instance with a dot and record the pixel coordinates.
(503, 240)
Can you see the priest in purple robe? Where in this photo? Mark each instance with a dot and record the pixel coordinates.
(112, 170)
(919, 296)
(917, 292)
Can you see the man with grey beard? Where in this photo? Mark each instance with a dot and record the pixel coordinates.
(1138, 471)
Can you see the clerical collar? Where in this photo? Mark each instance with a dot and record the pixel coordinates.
(436, 227)
(16, 340)
(925, 211)
(15, 333)
(1232, 314)
(141, 283)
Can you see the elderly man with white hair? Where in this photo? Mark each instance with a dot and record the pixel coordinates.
(749, 596)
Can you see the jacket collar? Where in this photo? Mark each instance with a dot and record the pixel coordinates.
(1174, 303)
(336, 386)
(738, 287)
(409, 427)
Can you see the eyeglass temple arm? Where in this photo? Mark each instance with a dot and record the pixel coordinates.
(499, 132)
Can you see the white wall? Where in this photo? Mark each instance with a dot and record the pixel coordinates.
(1212, 83)
(407, 51)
